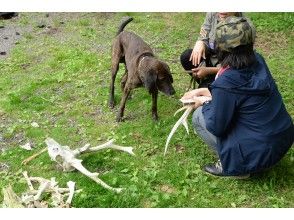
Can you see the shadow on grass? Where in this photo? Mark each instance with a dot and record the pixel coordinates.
(280, 175)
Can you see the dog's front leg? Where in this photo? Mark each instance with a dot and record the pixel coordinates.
(154, 105)
(121, 110)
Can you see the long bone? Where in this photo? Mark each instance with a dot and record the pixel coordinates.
(71, 187)
(182, 120)
(43, 186)
(66, 158)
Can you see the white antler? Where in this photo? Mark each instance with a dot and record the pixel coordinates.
(182, 120)
(189, 105)
(68, 159)
(106, 145)
(94, 176)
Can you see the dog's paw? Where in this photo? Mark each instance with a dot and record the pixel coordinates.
(111, 104)
(155, 117)
(119, 119)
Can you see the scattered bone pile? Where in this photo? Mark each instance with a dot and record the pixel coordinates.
(68, 161)
(38, 189)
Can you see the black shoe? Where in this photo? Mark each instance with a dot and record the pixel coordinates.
(217, 170)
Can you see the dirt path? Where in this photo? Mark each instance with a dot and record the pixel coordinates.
(9, 36)
(13, 29)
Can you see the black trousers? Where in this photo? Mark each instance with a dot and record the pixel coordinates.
(187, 65)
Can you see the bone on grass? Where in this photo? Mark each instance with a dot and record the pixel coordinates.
(33, 198)
(66, 158)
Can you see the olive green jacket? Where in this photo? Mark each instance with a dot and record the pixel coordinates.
(207, 32)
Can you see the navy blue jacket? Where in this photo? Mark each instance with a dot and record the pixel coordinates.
(248, 116)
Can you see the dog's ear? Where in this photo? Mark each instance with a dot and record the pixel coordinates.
(166, 72)
(171, 78)
(150, 81)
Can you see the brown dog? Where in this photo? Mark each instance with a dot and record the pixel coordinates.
(142, 69)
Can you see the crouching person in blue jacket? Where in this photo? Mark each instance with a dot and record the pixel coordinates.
(241, 115)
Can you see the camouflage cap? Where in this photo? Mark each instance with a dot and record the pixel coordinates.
(233, 32)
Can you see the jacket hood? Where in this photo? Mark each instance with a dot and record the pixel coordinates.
(255, 79)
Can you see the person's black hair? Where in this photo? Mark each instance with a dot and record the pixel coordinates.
(240, 57)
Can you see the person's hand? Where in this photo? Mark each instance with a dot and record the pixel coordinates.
(198, 52)
(196, 92)
(200, 72)
(190, 95)
(199, 100)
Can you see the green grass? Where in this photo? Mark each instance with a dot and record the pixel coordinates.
(61, 81)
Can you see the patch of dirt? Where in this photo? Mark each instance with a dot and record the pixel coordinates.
(51, 31)
(95, 113)
(43, 23)
(180, 148)
(147, 204)
(4, 167)
(167, 189)
(137, 136)
(14, 138)
(268, 43)
(9, 36)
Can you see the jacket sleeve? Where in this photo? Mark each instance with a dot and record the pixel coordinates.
(219, 113)
(206, 28)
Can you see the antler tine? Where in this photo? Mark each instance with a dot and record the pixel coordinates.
(94, 176)
(185, 124)
(181, 109)
(182, 120)
(111, 145)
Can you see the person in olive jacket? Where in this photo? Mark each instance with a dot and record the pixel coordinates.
(201, 62)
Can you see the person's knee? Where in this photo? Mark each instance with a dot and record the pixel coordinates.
(186, 54)
(196, 117)
(185, 59)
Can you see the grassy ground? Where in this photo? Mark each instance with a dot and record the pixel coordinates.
(59, 78)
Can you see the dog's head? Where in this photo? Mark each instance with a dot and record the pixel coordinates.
(158, 77)
(164, 79)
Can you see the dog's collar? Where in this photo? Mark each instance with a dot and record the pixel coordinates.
(142, 59)
(143, 56)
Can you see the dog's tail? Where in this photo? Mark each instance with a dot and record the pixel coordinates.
(123, 24)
